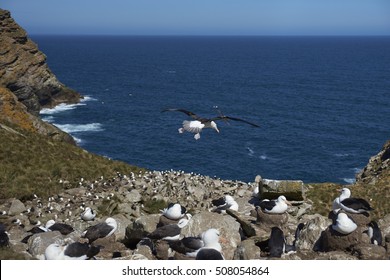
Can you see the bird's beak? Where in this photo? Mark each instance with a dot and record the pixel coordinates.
(288, 203)
(217, 130)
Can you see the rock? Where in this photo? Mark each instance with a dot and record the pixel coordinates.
(133, 196)
(377, 167)
(12, 111)
(332, 240)
(369, 252)
(16, 207)
(109, 248)
(140, 228)
(291, 189)
(38, 243)
(246, 225)
(313, 226)
(335, 255)
(247, 250)
(123, 222)
(24, 71)
(266, 220)
(227, 226)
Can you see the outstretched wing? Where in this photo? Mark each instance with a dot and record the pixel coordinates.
(192, 115)
(233, 119)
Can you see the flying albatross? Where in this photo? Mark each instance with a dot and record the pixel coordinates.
(196, 125)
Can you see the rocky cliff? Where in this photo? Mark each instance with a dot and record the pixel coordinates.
(378, 168)
(23, 70)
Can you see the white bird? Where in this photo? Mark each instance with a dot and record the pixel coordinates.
(212, 249)
(345, 193)
(344, 224)
(88, 214)
(276, 206)
(195, 126)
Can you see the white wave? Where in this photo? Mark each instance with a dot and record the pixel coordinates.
(357, 169)
(72, 128)
(349, 180)
(342, 155)
(78, 140)
(88, 98)
(263, 157)
(60, 108)
(250, 151)
(48, 119)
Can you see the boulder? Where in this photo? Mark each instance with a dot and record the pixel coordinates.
(247, 250)
(309, 235)
(16, 207)
(228, 227)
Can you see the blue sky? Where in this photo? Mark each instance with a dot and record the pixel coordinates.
(202, 17)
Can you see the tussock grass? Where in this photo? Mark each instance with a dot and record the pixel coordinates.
(33, 164)
(378, 195)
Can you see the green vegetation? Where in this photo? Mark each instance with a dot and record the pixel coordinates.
(322, 196)
(34, 164)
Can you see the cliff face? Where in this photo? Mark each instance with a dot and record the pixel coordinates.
(377, 171)
(23, 70)
(15, 113)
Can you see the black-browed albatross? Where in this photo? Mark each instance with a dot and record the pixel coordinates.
(196, 125)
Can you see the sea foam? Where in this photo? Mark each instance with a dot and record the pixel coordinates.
(60, 108)
(72, 128)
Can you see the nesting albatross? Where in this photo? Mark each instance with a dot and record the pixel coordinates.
(101, 230)
(195, 126)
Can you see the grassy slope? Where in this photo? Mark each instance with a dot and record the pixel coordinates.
(31, 163)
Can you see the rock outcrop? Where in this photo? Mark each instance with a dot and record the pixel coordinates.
(15, 113)
(378, 167)
(24, 71)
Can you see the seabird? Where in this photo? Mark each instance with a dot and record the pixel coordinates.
(354, 205)
(169, 232)
(64, 229)
(345, 193)
(73, 251)
(224, 203)
(374, 233)
(276, 243)
(88, 214)
(275, 206)
(174, 211)
(4, 238)
(211, 250)
(195, 126)
(187, 245)
(101, 230)
(344, 224)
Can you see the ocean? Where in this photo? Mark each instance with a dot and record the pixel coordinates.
(322, 103)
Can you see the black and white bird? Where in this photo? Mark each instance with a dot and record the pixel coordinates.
(197, 124)
(88, 214)
(174, 211)
(72, 251)
(276, 243)
(344, 193)
(354, 205)
(374, 233)
(186, 245)
(169, 232)
(275, 206)
(344, 224)
(224, 203)
(64, 229)
(212, 249)
(101, 230)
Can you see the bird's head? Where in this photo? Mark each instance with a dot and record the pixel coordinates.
(214, 126)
